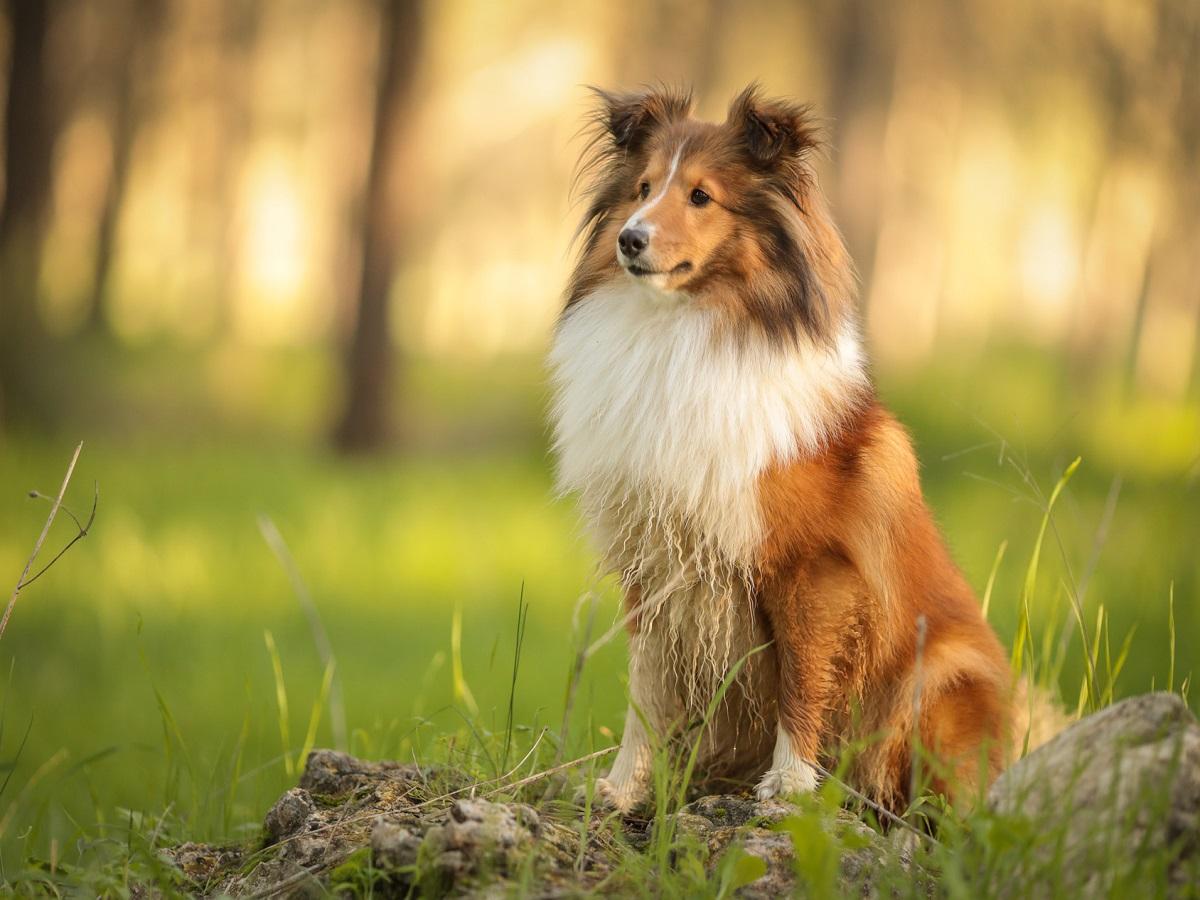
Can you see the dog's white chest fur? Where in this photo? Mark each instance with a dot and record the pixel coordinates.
(663, 419)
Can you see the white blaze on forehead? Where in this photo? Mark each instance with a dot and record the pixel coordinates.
(635, 221)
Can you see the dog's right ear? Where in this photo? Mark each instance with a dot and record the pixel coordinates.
(630, 118)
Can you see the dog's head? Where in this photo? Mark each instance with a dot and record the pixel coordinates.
(724, 214)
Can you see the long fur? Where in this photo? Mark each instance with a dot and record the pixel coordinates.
(714, 414)
(663, 427)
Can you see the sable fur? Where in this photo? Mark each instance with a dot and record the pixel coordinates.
(713, 411)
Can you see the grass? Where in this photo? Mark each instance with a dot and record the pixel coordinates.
(143, 705)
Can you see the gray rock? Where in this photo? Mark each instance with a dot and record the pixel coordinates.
(394, 846)
(288, 816)
(1112, 791)
(775, 849)
(722, 820)
(333, 774)
(479, 836)
(735, 810)
(203, 863)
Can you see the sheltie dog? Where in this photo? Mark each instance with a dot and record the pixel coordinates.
(714, 414)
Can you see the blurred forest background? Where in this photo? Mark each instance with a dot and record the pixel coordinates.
(302, 258)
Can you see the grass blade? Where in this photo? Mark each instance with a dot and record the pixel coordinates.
(314, 719)
(281, 702)
(462, 691)
(991, 581)
(522, 618)
(1171, 632)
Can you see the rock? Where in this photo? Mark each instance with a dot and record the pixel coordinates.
(775, 849)
(201, 863)
(394, 846)
(288, 815)
(721, 820)
(334, 775)
(479, 836)
(735, 810)
(1113, 790)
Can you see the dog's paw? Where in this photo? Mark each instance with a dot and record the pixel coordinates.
(799, 778)
(621, 796)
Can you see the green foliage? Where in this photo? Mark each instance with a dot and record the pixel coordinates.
(355, 877)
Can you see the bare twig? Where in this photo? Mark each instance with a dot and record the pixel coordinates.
(37, 547)
(337, 706)
(79, 535)
(881, 811)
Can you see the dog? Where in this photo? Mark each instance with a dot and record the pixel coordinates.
(714, 413)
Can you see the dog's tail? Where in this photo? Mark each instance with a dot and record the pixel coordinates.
(1037, 717)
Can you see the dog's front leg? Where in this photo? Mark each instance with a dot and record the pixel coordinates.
(806, 685)
(628, 783)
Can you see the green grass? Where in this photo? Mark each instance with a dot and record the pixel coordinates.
(139, 664)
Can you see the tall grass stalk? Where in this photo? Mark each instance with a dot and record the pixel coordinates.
(1023, 642)
(1113, 670)
(38, 774)
(518, 642)
(337, 705)
(991, 581)
(172, 736)
(229, 801)
(314, 716)
(462, 691)
(1171, 632)
(281, 704)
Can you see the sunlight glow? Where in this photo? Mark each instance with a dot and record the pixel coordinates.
(274, 239)
(274, 244)
(1048, 259)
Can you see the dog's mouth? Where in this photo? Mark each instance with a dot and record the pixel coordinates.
(639, 270)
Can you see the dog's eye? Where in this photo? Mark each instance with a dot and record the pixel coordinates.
(644, 190)
(699, 198)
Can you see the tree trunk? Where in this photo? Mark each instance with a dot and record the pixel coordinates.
(862, 70)
(29, 142)
(134, 69)
(369, 361)
(240, 26)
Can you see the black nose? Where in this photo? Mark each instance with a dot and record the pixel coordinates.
(633, 241)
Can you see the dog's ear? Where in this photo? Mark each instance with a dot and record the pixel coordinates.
(775, 134)
(629, 118)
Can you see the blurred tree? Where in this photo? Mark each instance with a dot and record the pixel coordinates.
(368, 361)
(241, 21)
(860, 67)
(29, 131)
(708, 62)
(133, 68)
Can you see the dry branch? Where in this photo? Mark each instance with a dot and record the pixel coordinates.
(25, 580)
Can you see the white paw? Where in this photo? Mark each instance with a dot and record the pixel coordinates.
(798, 778)
(623, 796)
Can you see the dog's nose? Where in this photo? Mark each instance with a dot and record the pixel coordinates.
(633, 241)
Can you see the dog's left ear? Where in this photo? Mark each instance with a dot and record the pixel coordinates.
(776, 134)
